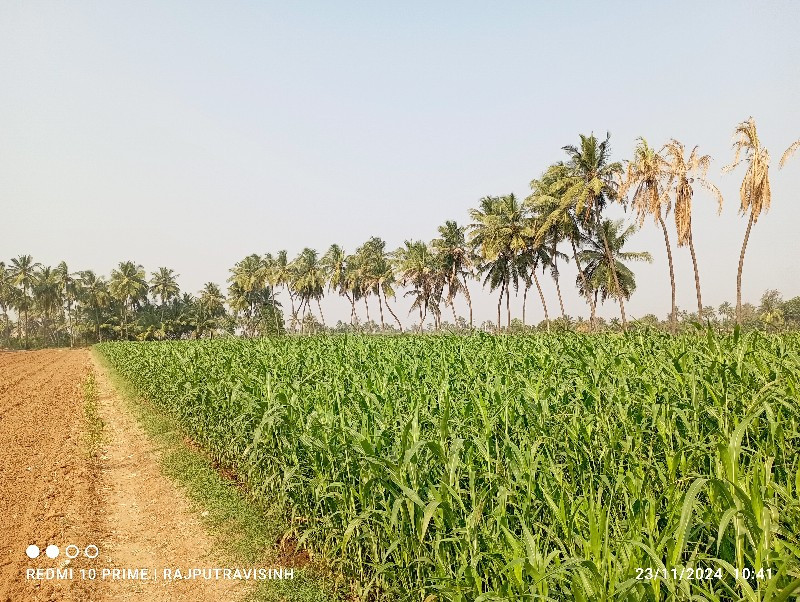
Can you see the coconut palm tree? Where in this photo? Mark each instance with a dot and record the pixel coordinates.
(47, 298)
(211, 304)
(281, 275)
(610, 279)
(590, 181)
(128, 286)
(93, 292)
(556, 222)
(500, 232)
(164, 285)
(416, 267)
(23, 272)
(456, 258)
(377, 275)
(646, 174)
(69, 292)
(754, 193)
(682, 173)
(334, 267)
(308, 281)
(8, 295)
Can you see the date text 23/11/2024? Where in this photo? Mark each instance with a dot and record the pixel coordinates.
(698, 573)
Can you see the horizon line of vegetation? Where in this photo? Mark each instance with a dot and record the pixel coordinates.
(505, 246)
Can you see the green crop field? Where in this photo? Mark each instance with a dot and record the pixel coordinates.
(562, 467)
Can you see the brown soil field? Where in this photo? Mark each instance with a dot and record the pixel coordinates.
(53, 491)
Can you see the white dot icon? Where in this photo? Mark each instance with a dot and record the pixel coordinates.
(51, 551)
(32, 551)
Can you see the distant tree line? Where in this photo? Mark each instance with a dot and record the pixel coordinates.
(508, 245)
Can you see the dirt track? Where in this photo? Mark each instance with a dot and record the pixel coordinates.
(53, 492)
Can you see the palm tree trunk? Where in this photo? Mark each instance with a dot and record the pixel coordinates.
(366, 304)
(508, 307)
(544, 305)
(524, 303)
(453, 308)
(672, 315)
(321, 315)
(352, 307)
(592, 303)
(696, 276)
(421, 318)
(499, 304)
(739, 272)
(389, 307)
(469, 301)
(555, 276)
(621, 309)
(380, 308)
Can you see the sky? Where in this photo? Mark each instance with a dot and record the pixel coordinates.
(191, 134)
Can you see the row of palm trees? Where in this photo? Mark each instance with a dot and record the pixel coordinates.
(508, 245)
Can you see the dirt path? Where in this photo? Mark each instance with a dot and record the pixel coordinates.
(53, 492)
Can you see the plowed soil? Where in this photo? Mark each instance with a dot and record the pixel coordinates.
(52, 491)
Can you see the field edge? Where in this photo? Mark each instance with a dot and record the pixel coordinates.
(244, 532)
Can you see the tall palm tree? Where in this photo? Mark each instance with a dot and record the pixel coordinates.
(281, 275)
(610, 279)
(128, 286)
(94, 293)
(499, 232)
(589, 181)
(377, 275)
(23, 272)
(334, 266)
(557, 221)
(308, 281)
(682, 173)
(8, 295)
(47, 298)
(211, 304)
(164, 284)
(647, 174)
(69, 292)
(457, 261)
(417, 268)
(754, 193)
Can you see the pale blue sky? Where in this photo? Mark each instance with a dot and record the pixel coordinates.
(190, 134)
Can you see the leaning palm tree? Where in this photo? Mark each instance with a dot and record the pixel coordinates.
(23, 272)
(610, 279)
(646, 174)
(754, 193)
(682, 173)
(377, 275)
(556, 222)
(457, 261)
(128, 286)
(416, 267)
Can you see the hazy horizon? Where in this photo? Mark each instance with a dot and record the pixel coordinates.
(189, 135)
